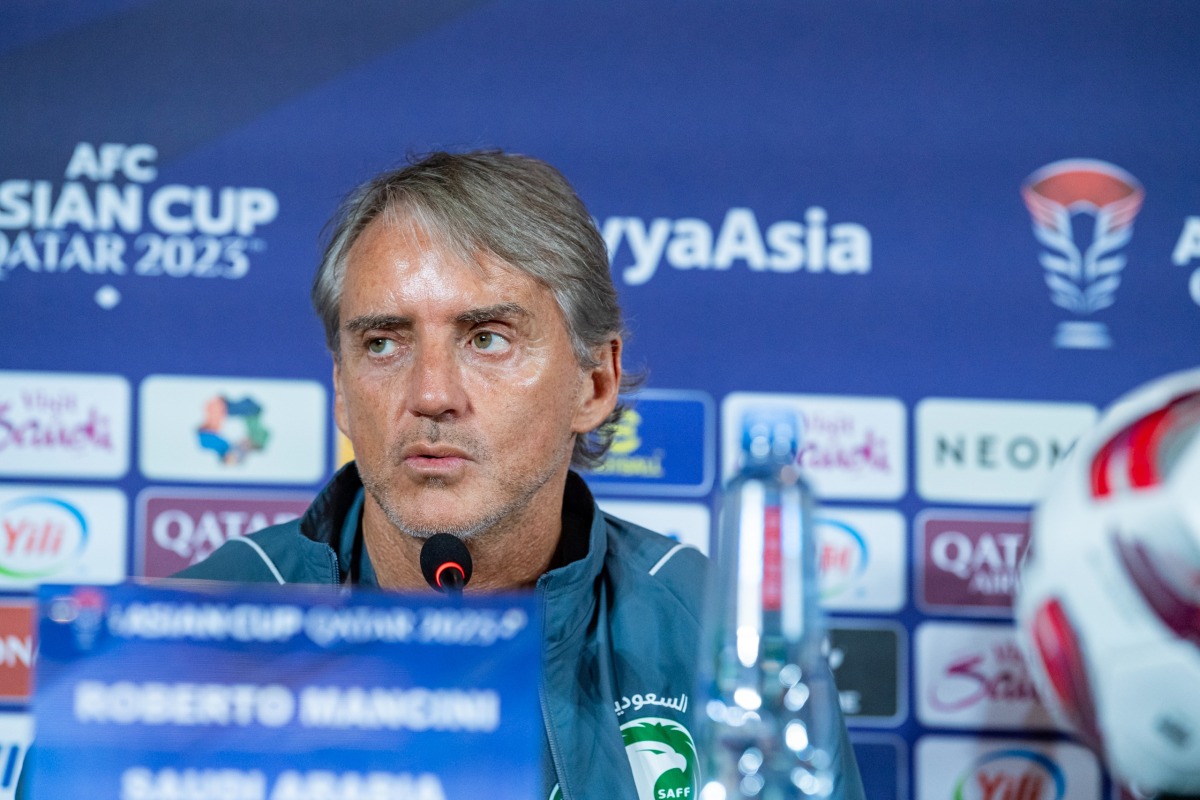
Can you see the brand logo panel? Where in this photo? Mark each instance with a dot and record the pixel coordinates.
(850, 447)
(960, 768)
(967, 561)
(16, 734)
(232, 430)
(56, 535)
(882, 764)
(64, 425)
(112, 217)
(867, 661)
(662, 445)
(17, 630)
(993, 451)
(686, 523)
(861, 558)
(178, 529)
(974, 676)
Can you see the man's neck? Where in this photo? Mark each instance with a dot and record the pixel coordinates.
(512, 554)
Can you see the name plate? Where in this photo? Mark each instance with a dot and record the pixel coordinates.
(285, 693)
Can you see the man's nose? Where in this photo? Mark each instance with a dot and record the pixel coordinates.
(436, 382)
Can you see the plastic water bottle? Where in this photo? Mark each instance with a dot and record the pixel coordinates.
(767, 727)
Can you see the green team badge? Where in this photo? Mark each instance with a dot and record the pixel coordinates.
(556, 793)
(663, 757)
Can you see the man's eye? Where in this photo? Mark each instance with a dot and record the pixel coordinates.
(489, 342)
(381, 347)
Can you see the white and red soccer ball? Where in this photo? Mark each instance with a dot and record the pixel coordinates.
(1109, 604)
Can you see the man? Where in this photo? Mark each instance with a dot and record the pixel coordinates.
(476, 343)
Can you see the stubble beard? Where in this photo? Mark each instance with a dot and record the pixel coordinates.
(512, 494)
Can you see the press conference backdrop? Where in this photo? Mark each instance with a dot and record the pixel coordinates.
(944, 233)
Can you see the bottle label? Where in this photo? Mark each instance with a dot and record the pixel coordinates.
(772, 586)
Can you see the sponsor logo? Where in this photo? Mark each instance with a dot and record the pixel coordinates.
(1083, 212)
(993, 451)
(109, 216)
(954, 768)
(56, 535)
(16, 650)
(867, 662)
(178, 529)
(853, 447)
(785, 246)
(1187, 250)
(64, 425)
(860, 556)
(663, 445)
(16, 734)
(663, 757)
(968, 562)
(232, 430)
(974, 676)
(687, 523)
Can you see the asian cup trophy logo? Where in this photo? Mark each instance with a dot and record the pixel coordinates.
(1083, 275)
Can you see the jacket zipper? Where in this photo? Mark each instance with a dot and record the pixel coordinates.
(550, 732)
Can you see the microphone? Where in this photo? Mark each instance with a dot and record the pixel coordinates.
(446, 563)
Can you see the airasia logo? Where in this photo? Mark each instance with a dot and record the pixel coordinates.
(1012, 774)
(39, 535)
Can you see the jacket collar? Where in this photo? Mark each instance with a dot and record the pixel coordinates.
(568, 590)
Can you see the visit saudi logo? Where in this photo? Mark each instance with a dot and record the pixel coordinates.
(663, 757)
(1081, 260)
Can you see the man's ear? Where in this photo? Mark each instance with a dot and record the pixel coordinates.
(339, 401)
(602, 385)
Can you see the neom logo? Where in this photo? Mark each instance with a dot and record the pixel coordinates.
(39, 535)
(1012, 774)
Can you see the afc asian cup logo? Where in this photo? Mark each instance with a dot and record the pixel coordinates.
(1083, 275)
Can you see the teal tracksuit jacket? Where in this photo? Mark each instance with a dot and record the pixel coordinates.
(621, 633)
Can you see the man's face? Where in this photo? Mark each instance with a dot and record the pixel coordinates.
(457, 384)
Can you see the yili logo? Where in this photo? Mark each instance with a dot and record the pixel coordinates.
(663, 757)
(842, 556)
(40, 536)
(1083, 268)
(1012, 774)
(232, 429)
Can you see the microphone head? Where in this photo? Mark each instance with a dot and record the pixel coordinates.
(445, 563)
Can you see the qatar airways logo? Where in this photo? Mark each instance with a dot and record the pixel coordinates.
(974, 676)
(969, 560)
(639, 248)
(64, 425)
(179, 528)
(108, 216)
(1083, 212)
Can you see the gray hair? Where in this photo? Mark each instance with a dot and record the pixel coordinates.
(517, 208)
